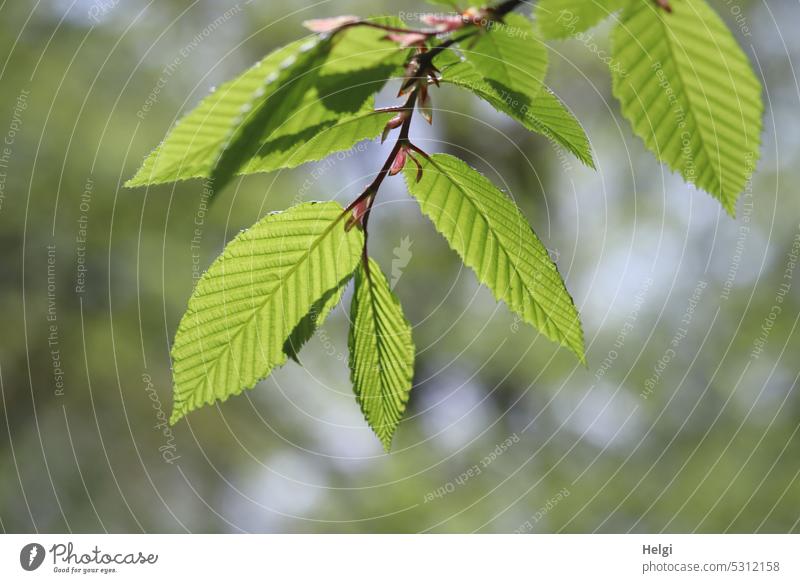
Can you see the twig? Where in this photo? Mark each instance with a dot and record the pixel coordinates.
(362, 205)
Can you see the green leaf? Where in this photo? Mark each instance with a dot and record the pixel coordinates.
(492, 237)
(548, 116)
(510, 55)
(690, 94)
(267, 111)
(319, 141)
(381, 352)
(545, 114)
(565, 18)
(252, 298)
(191, 148)
(299, 88)
(316, 316)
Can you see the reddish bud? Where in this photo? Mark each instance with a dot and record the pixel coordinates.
(358, 211)
(407, 39)
(443, 23)
(665, 5)
(322, 25)
(393, 124)
(425, 104)
(399, 161)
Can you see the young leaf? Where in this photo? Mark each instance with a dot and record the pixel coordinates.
(492, 237)
(253, 296)
(545, 114)
(690, 94)
(381, 352)
(305, 91)
(565, 18)
(510, 56)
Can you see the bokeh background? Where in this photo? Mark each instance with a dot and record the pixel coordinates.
(686, 419)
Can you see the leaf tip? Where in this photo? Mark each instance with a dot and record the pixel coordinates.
(386, 441)
(588, 159)
(578, 345)
(730, 207)
(138, 179)
(177, 415)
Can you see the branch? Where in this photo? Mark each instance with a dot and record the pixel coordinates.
(420, 69)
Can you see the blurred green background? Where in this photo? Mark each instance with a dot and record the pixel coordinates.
(686, 418)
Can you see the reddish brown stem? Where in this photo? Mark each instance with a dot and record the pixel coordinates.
(424, 62)
(368, 196)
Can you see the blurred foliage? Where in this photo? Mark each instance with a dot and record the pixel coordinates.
(714, 447)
